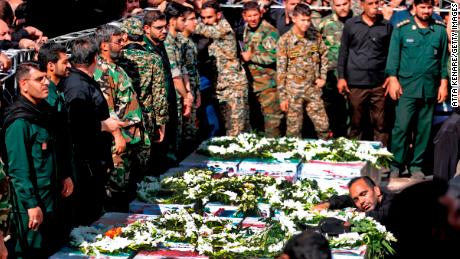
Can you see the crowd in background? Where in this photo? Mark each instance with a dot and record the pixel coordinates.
(90, 122)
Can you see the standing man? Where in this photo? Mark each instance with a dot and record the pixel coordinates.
(175, 51)
(301, 73)
(191, 65)
(148, 77)
(417, 68)
(361, 69)
(90, 128)
(155, 31)
(331, 28)
(131, 146)
(281, 18)
(232, 85)
(53, 59)
(259, 53)
(30, 157)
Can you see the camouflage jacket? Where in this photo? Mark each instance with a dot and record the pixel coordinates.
(148, 75)
(223, 48)
(300, 59)
(331, 28)
(5, 205)
(262, 43)
(175, 51)
(190, 52)
(118, 91)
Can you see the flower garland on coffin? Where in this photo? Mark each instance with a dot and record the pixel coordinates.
(248, 145)
(220, 238)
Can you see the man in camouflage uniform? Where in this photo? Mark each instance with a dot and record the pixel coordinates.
(164, 154)
(302, 70)
(131, 144)
(191, 65)
(148, 79)
(175, 52)
(260, 40)
(331, 28)
(232, 85)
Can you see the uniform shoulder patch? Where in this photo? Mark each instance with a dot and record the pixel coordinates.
(438, 22)
(402, 23)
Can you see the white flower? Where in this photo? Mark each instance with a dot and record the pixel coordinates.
(231, 195)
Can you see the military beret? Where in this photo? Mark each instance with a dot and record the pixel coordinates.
(132, 26)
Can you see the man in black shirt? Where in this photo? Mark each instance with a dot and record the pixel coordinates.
(280, 18)
(361, 65)
(366, 196)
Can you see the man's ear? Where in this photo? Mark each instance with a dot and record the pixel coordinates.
(146, 29)
(378, 191)
(104, 46)
(219, 15)
(50, 66)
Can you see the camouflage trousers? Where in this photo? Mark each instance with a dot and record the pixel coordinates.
(127, 165)
(270, 106)
(234, 108)
(308, 98)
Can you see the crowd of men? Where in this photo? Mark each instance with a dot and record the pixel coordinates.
(139, 96)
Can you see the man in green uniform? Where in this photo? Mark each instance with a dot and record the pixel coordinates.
(31, 164)
(131, 146)
(331, 28)
(148, 78)
(417, 67)
(259, 53)
(53, 59)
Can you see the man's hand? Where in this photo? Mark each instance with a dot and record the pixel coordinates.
(246, 56)
(120, 142)
(284, 106)
(394, 88)
(442, 91)
(67, 187)
(28, 44)
(320, 83)
(385, 84)
(161, 134)
(111, 124)
(35, 217)
(321, 206)
(342, 86)
(5, 62)
(387, 12)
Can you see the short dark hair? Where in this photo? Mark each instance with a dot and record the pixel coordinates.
(366, 179)
(417, 2)
(84, 51)
(24, 69)
(153, 16)
(251, 6)
(308, 244)
(174, 10)
(301, 9)
(105, 32)
(211, 4)
(49, 52)
(187, 11)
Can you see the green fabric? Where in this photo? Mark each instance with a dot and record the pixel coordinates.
(408, 110)
(30, 158)
(418, 57)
